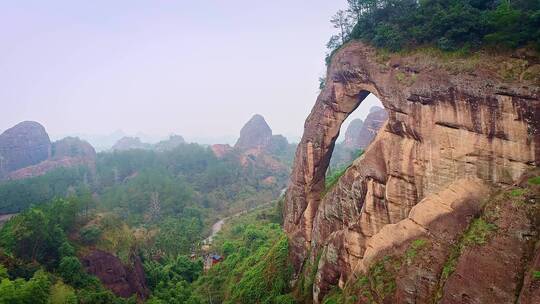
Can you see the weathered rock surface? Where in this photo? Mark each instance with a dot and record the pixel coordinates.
(23, 145)
(360, 133)
(352, 134)
(495, 271)
(257, 147)
(26, 151)
(221, 150)
(443, 125)
(441, 217)
(65, 153)
(374, 121)
(122, 280)
(72, 147)
(255, 134)
(460, 245)
(530, 293)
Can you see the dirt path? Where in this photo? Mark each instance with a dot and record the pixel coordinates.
(217, 226)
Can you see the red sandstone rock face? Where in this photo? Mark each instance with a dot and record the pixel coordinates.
(220, 150)
(352, 135)
(530, 293)
(25, 144)
(72, 147)
(26, 151)
(254, 134)
(66, 153)
(122, 280)
(442, 126)
(374, 122)
(258, 149)
(360, 133)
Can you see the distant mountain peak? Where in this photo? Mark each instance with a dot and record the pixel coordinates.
(256, 133)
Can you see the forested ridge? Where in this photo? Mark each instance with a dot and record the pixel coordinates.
(155, 205)
(446, 24)
(152, 209)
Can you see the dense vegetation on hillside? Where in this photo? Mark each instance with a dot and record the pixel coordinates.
(40, 247)
(19, 194)
(128, 181)
(38, 262)
(254, 269)
(446, 24)
(155, 205)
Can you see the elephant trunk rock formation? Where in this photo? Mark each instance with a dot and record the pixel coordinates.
(444, 125)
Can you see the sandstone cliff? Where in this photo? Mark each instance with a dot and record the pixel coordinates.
(255, 134)
(65, 153)
(374, 121)
(352, 134)
(258, 147)
(448, 126)
(23, 145)
(123, 280)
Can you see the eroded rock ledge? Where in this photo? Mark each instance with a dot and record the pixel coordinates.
(444, 124)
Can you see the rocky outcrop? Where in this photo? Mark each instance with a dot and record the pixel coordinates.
(255, 134)
(492, 270)
(440, 218)
(130, 143)
(352, 134)
(122, 280)
(221, 150)
(26, 151)
(72, 147)
(460, 245)
(374, 121)
(173, 142)
(65, 153)
(257, 147)
(444, 124)
(360, 133)
(23, 145)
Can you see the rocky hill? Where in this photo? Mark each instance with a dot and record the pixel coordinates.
(23, 145)
(258, 150)
(454, 136)
(374, 121)
(353, 133)
(26, 151)
(134, 143)
(255, 134)
(360, 133)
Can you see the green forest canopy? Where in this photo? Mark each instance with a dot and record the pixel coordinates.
(446, 24)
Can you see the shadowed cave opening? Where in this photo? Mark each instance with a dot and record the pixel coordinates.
(356, 133)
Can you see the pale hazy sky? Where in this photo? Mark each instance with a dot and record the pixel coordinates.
(195, 68)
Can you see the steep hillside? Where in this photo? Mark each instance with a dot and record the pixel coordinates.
(23, 145)
(26, 151)
(450, 120)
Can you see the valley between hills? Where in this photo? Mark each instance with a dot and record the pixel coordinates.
(433, 197)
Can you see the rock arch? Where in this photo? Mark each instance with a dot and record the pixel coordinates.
(442, 126)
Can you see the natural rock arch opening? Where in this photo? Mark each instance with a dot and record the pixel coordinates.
(441, 128)
(357, 131)
(315, 150)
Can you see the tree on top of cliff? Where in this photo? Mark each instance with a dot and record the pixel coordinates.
(448, 25)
